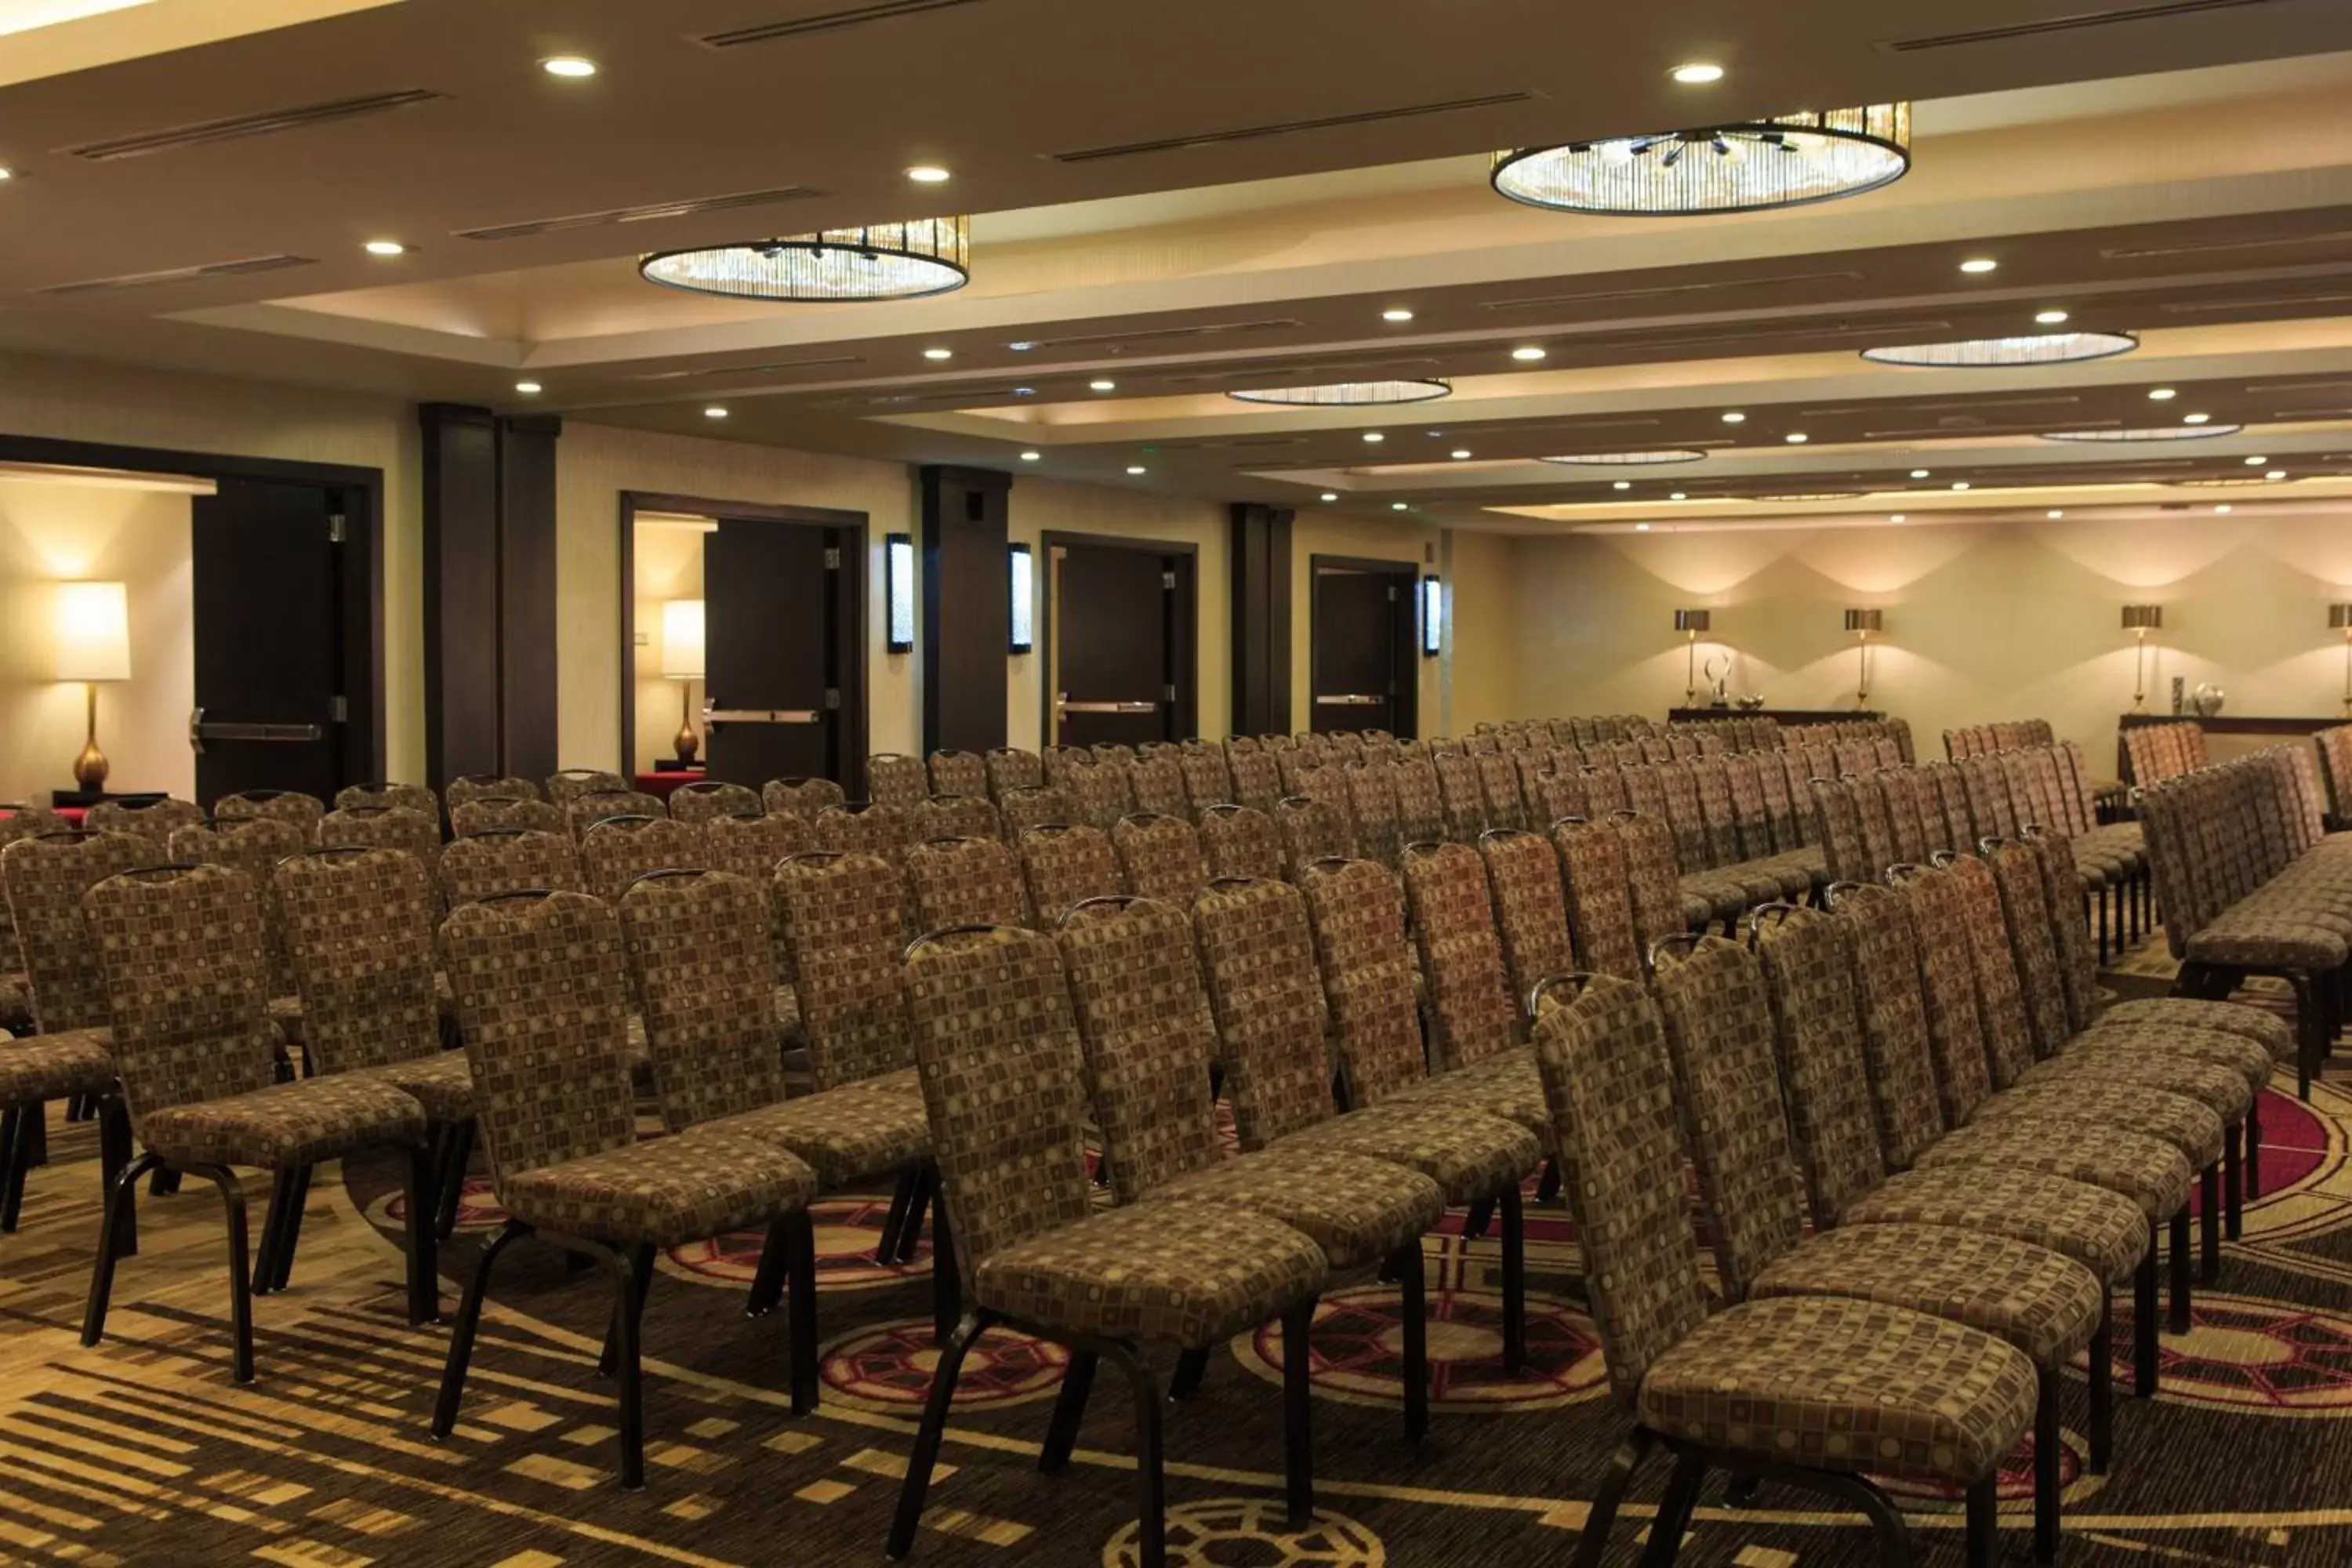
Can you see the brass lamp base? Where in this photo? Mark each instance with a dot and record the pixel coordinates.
(685, 740)
(91, 768)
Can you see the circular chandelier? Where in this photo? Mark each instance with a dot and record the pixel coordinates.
(2036, 348)
(881, 261)
(1630, 459)
(1352, 394)
(1790, 160)
(2231, 483)
(1816, 495)
(2150, 432)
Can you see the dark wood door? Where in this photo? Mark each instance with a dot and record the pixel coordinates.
(271, 700)
(771, 596)
(1121, 665)
(1361, 657)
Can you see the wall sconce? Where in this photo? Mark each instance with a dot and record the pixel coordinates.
(2339, 618)
(1021, 585)
(1861, 623)
(93, 642)
(2140, 620)
(1433, 617)
(1690, 622)
(898, 590)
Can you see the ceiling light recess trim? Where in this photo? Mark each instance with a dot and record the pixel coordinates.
(1630, 459)
(2029, 348)
(2147, 433)
(1351, 393)
(1792, 160)
(907, 260)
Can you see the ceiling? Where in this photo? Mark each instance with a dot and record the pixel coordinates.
(1227, 196)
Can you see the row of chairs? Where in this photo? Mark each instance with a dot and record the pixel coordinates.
(2156, 753)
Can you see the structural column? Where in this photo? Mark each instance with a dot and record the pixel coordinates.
(966, 635)
(1260, 554)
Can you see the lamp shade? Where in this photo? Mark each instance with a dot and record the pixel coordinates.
(2143, 617)
(93, 632)
(681, 640)
(1693, 621)
(1864, 620)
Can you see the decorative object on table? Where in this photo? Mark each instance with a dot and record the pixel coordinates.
(1791, 160)
(1718, 674)
(2140, 620)
(1690, 622)
(92, 622)
(682, 661)
(1749, 702)
(2207, 700)
(878, 261)
(2178, 704)
(1861, 623)
(2339, 618)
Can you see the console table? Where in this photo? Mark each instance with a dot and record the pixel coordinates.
(1785, 715)
(2244, 724)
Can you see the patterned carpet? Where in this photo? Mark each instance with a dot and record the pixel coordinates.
(140, 1451)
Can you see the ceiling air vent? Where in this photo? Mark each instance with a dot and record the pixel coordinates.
(777, 368)
(1114, 341)
(1290, 127)
(646, 213)
(2165, 10)
(179, 275)
(2275, 301)
(2212, 247)
(265, 124)
(824, 22)
(1668, 290)
(1815, 332)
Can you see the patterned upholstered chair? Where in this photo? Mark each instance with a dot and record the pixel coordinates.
(290, 806)
(954, 816)
(965, 882)
(618, 851)
(1421, 805)
(568, 784)
(490, 813)
(585, 811)
(1003, 1083)
(16, 992)
(1599, 894)
(1239, 841)
(488, 786)
(1157, 783)
(187, 980)
(1311, 830)
(1498, 788)
(895, 779)
(541, 990)
(1720, 1038)
(1064, 865)
(409, 797)
(500, 860)
(411, 832)
(1770, 1387)
(1149, 1037)
(1207, 779)
(1010, 768)
(1160, 856)
(1372, 803)
(801, 796)
(1086, 791)
(703, 799)
(358, 930)
(255, 847)
(751, 846)
(1024, 809)
(154, 820)
(1530, 908)
(1665, 903)
(959, 773)
(879, 828)
(1463, 801)
(1257, 777)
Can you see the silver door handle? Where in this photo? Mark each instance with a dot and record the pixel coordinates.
(760, 715)
(1350, 700)
(1070, 707)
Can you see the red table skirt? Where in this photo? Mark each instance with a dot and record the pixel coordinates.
(662, 784)
(72, 813)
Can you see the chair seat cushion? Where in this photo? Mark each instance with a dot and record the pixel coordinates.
(2251, 943)
(55, 1067)
(665, 1191)
(2250, 1061)
(2189, 1125)
(1837, 1384)
(1358, 1210)
(2147, 1170)
(2043, 1302)
(1507, 1086)
(287, 1124)
(1172, 1274)
(1467, 1152)
(2266, 1030)
(847, 1134)
(2103, 1231)
(442, 1083)
(902, 1082)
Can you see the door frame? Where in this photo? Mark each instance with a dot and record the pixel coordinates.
(363, 541)
(849, 636)
(1405, 620)
(1188, 623)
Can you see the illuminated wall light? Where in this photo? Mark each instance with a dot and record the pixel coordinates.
(574, 67)
(714, 412)
(929, 174)
(1374, 436)
(528, 388)
(1678, 495)
(1640, 528)
(2223, 508)
(1460, 453)
(1135, 469)
(1960, 484)
(898, 590)
(1400, 506)
(1622, 485)
(1021, 585)
(1102, 386)
(1432, 618)
(2256, 462)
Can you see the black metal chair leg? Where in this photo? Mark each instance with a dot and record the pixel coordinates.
(926, 1453)
(1069, 1412)
(240, 1290)
(166, 1183)
(2046, 1480)
(449, 1187)
(15, 1150)
(642, 1283)
(628, 1310)
(2181, 1270)
(2209, 1225)
(114, 1153)
(1192, 1366)
(1547, 1186)
(424, 1254)
(2254, 1148)
(947, 1283)
(1983, 1546)
(2144, 1315)
(2234, 1181)
(1298, 1413)
(799, 1232)
(919, 1201)
(1475, 1223)
(1150, 1474)
(1594, 1544)
(885, 1248)
(110, 1228)
(2102, 1383)
(767, 1291)
(1515, 1282)
(290, 1233)
(273, 1221)
(1413, 1295)
(1674, 1511)
(469, 1319)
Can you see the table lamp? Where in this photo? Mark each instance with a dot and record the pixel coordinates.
(2140, 620)
(1690, 622)
(93, 642)
(2339, 618)
(681, 660)
(1861, 623)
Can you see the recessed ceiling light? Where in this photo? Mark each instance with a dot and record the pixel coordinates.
(2223, 508)
(1529, 354)
(2161, 395)
(2256, 462)
(1898, 517)
(1331, 495)
(1023, 347)
(2050, 318)
(1024, 391)
(1032, 456)
(939, 353)
(1960, 484)
(1460, 453)
(1697, 73)
(528, 388)
(1396, 313)
(1733, 417)
(1622, 485)
(1102, 386)
(1919, 473)
(1640, 528)
(1400, 506)
(384, 248)
(6, 173)
(1678, 495)
(2195, 418)
(1135, 467)
(1978, 265)
(574, 67)
(1796, 437)
(2276, 474)
(929, 174)
(2054, 513)
(1374, 436)
(714, 412)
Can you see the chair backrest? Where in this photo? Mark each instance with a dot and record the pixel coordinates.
(895, 779)
(1311, 830)
(1009, 767)
(1257, 776)
(1599, 895)
(290, 806)
(467, 787)
(1652, 875)
(1531, 908)
(750, 846)
(154, 820)
(1145, 1024)
(383, 828)
(1063, 866)
(841, 916)
(801, 796)
(2000, 997)
(966, 881)
(1498, 789)
(1942, 973)
(2033, 945)
(701, 956)
(1237, 841)
(408, 797)
(187, 983)
(2070, 927)
(1004, 1085)
(1474, 1015)
(1462, 797)
(485, 813)
(1837, 824)
(880, 828)
(1918, 821)
(566, 784)
(619, 849)
(359, 934)
(255, 847)
(1719, 1038)
(1024, 809)
(1421, 801)
(1952, 801)
(1160, 857)
(508, 860)
(46, 876)
(954, 816)
(706, 798)
(1372, 803)
(1610, 1090)
(543, 994)
(1207, 779)
(1367, 968)
(1258, 953)
(1818, 1031)
(959, 773)
(1157, 783)
(583, 812)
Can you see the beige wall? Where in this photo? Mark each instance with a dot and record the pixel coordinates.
(52, 532)
(1480, 664)
(1981, 622)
